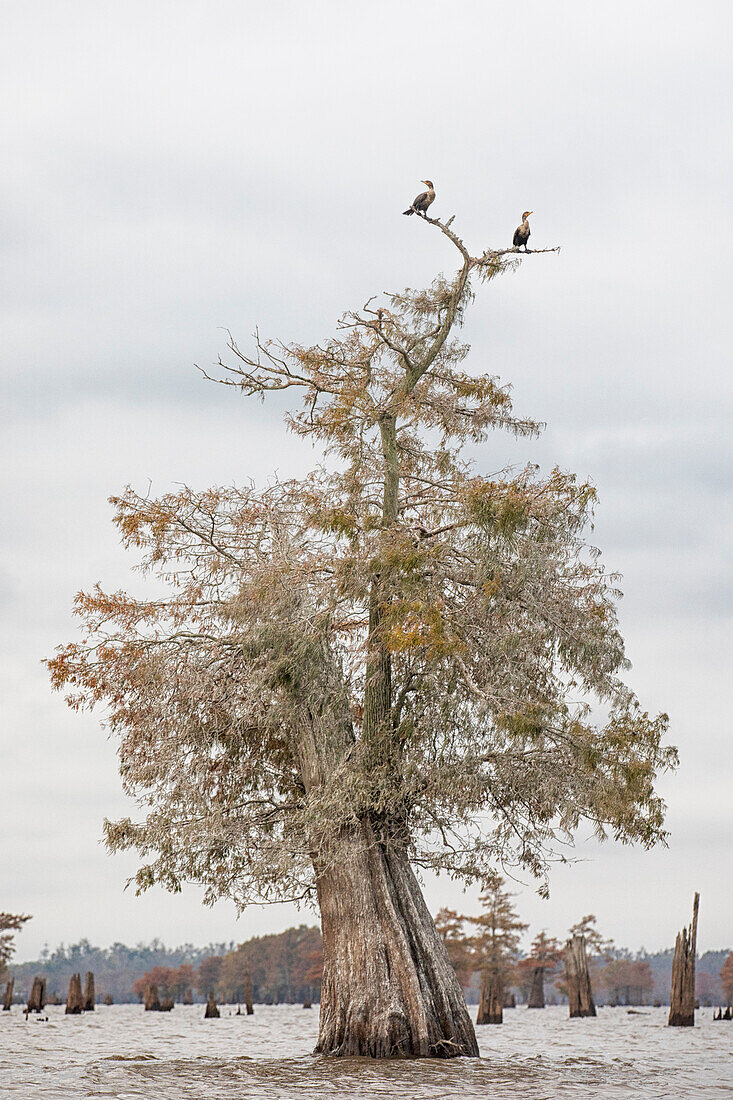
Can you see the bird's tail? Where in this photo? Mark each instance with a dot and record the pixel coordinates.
(410, 211)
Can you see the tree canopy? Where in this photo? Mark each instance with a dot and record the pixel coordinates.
(450, 627)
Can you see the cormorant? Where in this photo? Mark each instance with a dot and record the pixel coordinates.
(423, 201)
(521, 233)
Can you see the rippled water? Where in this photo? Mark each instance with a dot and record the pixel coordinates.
(122, 1052)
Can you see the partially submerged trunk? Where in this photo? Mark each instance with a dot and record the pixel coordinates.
(682, 1000)
(37, 999)
(75, 1000)
(188, 996)
(8, 998)
(152, 1000)
(388, 987)
(577, 978)
(248, 993)
(109, 999)
(211, 1012)
(89, 992)
(537, 995)
(308, 1002)
(491, 1005)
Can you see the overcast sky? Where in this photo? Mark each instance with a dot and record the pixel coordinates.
(172, 168)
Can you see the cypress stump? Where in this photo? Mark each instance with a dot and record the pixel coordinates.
(537, 994)
(682, 1000)
(75, 1000)
(8, 998)
(152, 1000)
(211, 1012)
(109, 999)
(89, 992)
(491, 1005)
(248, 993)
(577, 979)
(37, 999)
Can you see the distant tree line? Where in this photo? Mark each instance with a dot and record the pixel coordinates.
(286, 967)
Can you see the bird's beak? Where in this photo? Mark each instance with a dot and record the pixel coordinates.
(531, 212)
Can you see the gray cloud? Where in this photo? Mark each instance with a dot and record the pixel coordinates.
(170, 171)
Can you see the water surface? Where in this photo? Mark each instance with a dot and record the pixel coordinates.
(124, 1053)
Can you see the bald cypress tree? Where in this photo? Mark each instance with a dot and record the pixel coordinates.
(387, 663)
(495, 943)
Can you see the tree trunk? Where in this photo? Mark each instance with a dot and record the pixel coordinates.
(682, 1000)
(188, 996)
(37, 999)
(152, 1000)
(537, 995)
(74, 1001)
(388, 987)
(8, 999)
(109, 999)
(89, 992)
(211, 1012)
(248, 993)
(491, 1005)
(577, 978)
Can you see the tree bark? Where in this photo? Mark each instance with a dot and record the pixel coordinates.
(152, 1000)
(491, 1005)
(74, 1001)
(577, 979)
(89, 992)
(537, 994)
(682, 1000)
(211, 1012)
(8, 999)
(388, 987)
(248, 993)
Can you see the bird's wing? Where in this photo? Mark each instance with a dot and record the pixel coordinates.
(420, 198)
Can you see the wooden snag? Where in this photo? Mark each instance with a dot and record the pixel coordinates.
(37, 999)
(109, 999)
(682, 1000)
(8, 998)
(308, 1002)
(248, 993)
(152, 1000)
(89, 992)
(75, 1000)
(491, 1005)
(577, 979)
(537, 994)
(211, 1012)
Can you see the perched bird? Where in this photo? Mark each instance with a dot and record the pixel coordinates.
(423, 201)
(521, 233)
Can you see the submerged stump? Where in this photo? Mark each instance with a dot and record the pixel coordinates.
(577, 979)
(37, 999)
(491, 1005)
(152, 1000)
(211, 1012)
(109, 999)
(8, 998)
(682, 1000)
(75, 999)
(89, 992)
(248, 993)
(537, 994)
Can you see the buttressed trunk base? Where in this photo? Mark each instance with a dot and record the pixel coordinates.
(388, 987)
